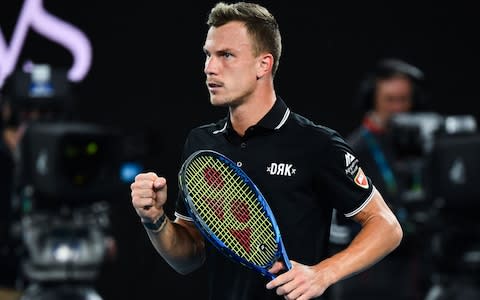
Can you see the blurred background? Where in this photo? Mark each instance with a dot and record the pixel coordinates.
(99, 91)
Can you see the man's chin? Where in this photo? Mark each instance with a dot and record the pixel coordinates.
(218, 102)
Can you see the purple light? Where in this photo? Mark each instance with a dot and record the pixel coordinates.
(35, 16)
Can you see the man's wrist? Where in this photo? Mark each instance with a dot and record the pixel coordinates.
(157, 225)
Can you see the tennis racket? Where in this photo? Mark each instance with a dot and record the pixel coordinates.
(231, 212)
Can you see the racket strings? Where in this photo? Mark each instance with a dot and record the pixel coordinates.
(231, 210)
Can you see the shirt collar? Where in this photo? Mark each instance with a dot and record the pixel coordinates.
(273, 120)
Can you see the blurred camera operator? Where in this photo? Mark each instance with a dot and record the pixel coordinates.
(393, 86)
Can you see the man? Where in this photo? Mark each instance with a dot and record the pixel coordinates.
(243, 48)
(393, 86)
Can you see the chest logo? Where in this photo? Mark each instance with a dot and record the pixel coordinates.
(281, 169)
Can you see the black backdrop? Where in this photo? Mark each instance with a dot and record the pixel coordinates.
(146, 77)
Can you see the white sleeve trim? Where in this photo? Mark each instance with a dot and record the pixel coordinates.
(356, 211)
(180, 216)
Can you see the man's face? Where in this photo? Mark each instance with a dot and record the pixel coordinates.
(230, 66)
(393, 95)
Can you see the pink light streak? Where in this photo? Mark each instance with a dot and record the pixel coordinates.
(34, 16)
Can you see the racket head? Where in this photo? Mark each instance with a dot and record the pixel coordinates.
(230, 211)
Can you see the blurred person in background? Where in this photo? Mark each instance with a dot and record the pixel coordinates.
(393, 86)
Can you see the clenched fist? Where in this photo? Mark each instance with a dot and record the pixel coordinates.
(149, 194)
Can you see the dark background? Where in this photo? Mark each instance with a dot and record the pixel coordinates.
(147, 79)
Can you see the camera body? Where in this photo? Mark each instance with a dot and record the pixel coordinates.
(444, 151)
(68, 163)
(65, 176)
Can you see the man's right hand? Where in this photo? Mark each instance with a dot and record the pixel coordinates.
(149, 194)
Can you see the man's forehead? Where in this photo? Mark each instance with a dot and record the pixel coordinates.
(231, 36)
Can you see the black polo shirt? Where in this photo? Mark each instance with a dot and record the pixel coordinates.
(304, 170)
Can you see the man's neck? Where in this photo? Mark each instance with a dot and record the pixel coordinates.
(251, 112)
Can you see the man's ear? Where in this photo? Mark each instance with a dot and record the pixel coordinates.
(265, 65)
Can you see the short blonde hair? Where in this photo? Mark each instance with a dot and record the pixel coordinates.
(260, 24)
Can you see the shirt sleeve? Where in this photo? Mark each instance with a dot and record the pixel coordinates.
(349, 188)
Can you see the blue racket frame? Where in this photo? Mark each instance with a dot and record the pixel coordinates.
(211, 236)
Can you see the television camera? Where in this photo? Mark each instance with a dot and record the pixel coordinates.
(442, 153)
(65, 174)
(438, 159)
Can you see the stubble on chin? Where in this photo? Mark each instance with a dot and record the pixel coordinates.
(215, 100)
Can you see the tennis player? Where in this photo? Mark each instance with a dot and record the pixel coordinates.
(304, 170)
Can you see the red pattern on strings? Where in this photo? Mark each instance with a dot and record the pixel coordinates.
(240, 211)
(243, 236)
(239, 208)
(217, 206)
(213, 178)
